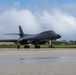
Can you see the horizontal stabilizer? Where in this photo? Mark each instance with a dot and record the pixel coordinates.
(12, 34)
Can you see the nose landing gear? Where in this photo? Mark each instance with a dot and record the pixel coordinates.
(50, 44)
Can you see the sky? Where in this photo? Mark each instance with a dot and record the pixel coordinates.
(36, 16)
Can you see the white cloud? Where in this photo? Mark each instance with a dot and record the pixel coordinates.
(56, 20)
(60, 22)
(13, 18)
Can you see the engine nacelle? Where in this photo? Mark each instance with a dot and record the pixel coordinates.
(23, 42)
(38, 42)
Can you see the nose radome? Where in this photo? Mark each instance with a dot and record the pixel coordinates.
(58, 36)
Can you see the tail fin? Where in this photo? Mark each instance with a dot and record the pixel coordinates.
(21, 32)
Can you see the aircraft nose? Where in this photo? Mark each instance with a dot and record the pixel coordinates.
(58, 36)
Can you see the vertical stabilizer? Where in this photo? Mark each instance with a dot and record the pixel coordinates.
(21, 32)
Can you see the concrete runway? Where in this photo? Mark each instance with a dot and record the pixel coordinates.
(38, 61)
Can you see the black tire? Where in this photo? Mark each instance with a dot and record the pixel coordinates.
(37, 46)
(50, 46)
(18, 47)
(26, 46)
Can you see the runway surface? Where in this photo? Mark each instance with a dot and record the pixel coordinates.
(37, 61)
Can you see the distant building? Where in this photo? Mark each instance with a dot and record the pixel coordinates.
(7, 43)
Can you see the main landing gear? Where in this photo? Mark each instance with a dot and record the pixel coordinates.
(26, 46)
(37, 46)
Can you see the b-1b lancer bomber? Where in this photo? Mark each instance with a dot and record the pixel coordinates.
(36, 39)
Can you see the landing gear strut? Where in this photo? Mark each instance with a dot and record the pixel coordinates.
(18, 46)
(50, 44)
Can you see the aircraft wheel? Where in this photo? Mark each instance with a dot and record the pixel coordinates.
(26, 46)
(37, 46)
(51, 46)
(18, 46)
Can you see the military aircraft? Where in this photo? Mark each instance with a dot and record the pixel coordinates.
(36, 39)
